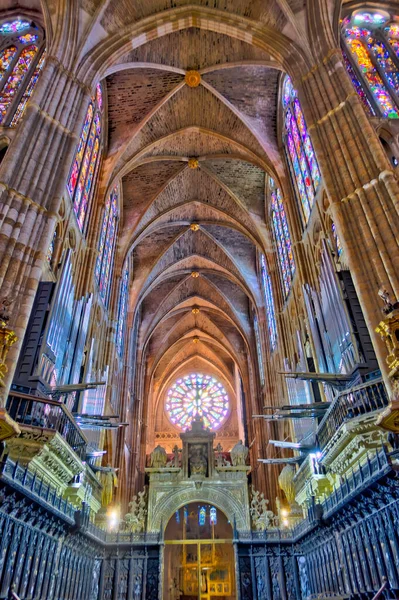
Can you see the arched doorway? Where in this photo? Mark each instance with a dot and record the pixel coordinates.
(199, 562)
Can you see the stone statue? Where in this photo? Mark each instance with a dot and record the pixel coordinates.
(174, 591)
(286, 483)
(388, 305)
(158, 458)
(197, 460)
(239, 454)
(137, 588)
(109, 480)
(135, 519)
(175, 462)
(262, 518)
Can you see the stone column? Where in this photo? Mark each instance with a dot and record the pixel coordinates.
(360, 183)
(33, 176)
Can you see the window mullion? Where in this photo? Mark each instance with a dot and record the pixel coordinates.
(24, 84)
(380, 70)
(347, 54)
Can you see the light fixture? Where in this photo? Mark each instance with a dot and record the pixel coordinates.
(194, 274)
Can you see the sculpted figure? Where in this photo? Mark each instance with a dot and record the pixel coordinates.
(262, 518)
(286, 483)
(158, 458)
(198, 462)
(109, 480)
(175, 462)
(135, 519)
(239, 454)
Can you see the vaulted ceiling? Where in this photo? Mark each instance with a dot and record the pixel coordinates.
(193, 162)
(192, 156)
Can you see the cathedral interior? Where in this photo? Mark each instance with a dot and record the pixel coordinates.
(199, 299)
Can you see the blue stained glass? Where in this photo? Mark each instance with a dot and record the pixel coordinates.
(259, 352)
(338, 246)
(122, 310)
(270, 312)
(185, 515)
(370, 49)
(197, 395)
(213, 516)
(84, 168)
(202, 516)
(282, 237)
(300, 151)
(177, 514)
(106, 245)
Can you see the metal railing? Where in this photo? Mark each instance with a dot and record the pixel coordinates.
(375, 467)
(47, 414)
(360, 400)
(22, 478)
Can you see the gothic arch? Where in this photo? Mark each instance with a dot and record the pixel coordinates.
(234, 507)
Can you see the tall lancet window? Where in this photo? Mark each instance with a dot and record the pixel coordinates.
(122, 309)
(302, 161)
(106, 244)
(370, 45)
(259, 351)
(282, 237)
(21, 61)
(269, 302)
(85, 166)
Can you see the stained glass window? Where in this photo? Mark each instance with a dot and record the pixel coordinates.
(50, 250)
(197, 395)
(85, 165)
(213, 516)
(259, 352)
(371, 55)
(337, 243)
(122, 310)
(270, 312)
(202, 516)
(282, 237)
(21, 61)
(300, 153)
(106, 245)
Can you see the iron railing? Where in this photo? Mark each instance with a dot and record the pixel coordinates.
(47, 414)
(377, 465)
(360, 400)
(33, 486)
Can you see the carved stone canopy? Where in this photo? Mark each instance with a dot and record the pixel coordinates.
(197, 449)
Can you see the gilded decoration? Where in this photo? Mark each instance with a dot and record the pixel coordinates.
(7, 339)
(192, 78)
(388, 329)
(193, 164)
(8, 427)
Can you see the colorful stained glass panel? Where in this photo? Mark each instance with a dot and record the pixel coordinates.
(122, 311)
(283, 239)
(197, 395)
(358, 86)
(28, 91)
(270, 312)
(15, 79)
(301, 155)
(106, 246)
(13, 26)
(373, 79)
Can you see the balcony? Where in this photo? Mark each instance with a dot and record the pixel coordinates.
(362, 400)
(33, 411)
